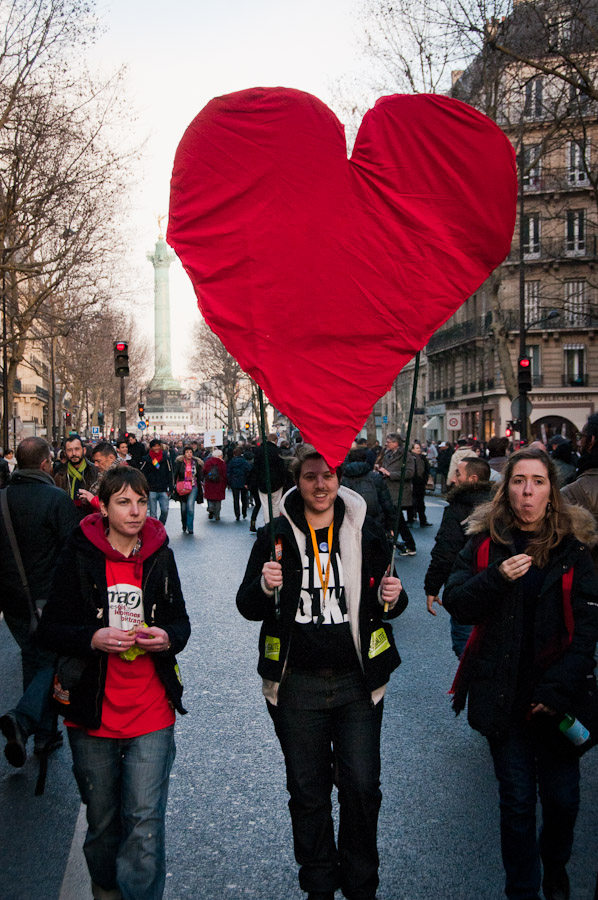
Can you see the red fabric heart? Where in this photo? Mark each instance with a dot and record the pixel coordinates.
(324, 275)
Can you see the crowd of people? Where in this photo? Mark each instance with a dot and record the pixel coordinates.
(91, 594)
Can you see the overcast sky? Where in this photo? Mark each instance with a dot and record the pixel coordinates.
(179, 55)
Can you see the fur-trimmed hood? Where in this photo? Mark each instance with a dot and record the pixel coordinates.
(583, 524)
(469, 491)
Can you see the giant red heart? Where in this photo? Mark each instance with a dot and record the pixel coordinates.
(324, 275)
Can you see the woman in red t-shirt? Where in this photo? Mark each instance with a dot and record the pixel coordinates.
(117, 616)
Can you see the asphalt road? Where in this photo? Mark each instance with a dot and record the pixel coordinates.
(229, 832)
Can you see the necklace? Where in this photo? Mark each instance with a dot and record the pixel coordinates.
(133, 552)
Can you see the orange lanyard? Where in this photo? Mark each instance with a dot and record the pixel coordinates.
(323, 580)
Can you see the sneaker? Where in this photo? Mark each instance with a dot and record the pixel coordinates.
(405, 552)
(15, 750)
(252, 526)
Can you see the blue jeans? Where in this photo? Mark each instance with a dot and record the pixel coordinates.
(188, 509)
(522, 761)
(162, 498)
(34, 711)
(329, 732)
(124, 784)
(459, 636)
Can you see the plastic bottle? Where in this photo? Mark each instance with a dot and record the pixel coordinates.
(572, 728)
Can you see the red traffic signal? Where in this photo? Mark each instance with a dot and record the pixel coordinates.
(121, 359)
(524, 374)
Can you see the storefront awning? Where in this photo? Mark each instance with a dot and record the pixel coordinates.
(433, 423)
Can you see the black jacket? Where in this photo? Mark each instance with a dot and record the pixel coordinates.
(451, 537)
(43, 517)
(372, 487)
(159, 478)
(78, 606)
(257, 606)
(488, 598)
(278, 470)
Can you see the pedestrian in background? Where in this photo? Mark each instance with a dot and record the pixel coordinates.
(9, 456)
(337, 656)
(471, 490)
(561, 453)
(214, 473)
(529, 660)
(187, 474)
(76, 474)
(117, 617)
(278, 474)
(158, 471)
(392, 463)
(42, 518)
(445, 452)
(464, 449)
(237, 473)
(370, 485)
(419, 483)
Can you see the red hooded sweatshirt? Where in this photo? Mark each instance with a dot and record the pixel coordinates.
(135, 700)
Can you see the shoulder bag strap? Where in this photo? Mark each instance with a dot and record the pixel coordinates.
(33, 610)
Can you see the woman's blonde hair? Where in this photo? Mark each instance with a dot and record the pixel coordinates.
(556, 524)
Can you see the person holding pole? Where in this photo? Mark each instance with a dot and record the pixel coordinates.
(325, 657)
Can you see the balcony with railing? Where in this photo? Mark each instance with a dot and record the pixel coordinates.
(568, 320)
(549, 180)
(575, 380)
(551, 250)
(35, 389)
(459, 334)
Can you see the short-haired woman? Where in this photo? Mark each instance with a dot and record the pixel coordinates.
(325, 661)
(116, 614)
(527, 581)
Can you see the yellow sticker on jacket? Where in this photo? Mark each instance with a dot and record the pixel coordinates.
(272, 648)
(378, 643)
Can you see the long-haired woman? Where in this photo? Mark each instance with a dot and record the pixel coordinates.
(527, 581)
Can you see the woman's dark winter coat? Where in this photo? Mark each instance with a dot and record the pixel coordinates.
(78, 607)
(560, 671)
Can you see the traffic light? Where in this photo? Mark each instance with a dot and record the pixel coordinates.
(121, 359)
(509, 429)
(68, 419)
(246, 426)
(141, 410)
(101, 419)
(524, 374)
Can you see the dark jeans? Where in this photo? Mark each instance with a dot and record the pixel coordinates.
(240, 493)
(404, 532)
(329, 732)
(419, 505)
(34, 710)
(522, 761)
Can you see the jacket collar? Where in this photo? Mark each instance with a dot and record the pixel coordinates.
(29, 475)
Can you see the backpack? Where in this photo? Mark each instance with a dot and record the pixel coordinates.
(366, 487)
(214, 474)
